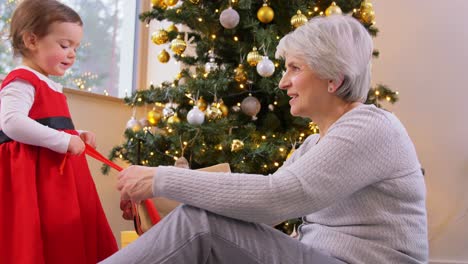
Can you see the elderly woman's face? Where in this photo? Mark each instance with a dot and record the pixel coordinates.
(303, 86)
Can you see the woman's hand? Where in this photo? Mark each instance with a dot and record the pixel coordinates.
(136, 183)
(88, 138)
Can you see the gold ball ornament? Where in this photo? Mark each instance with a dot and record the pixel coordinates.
(159, 37)
(237, 145)
(172, 28)
(201, 103)
(368, 16)
(254, 57)
(173, 119)
(265, 14)
(224, 109)
(163, 56)
(178, 45)
(333, 9)
(159, 4)
(239, 74)
(154, 116)
(366, 4)
(213, 112)
(170, 2)
(182, 162)
(298, 19)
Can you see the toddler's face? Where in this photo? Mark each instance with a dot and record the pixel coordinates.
(56, 52)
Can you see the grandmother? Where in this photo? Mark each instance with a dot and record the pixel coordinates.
(358, 184)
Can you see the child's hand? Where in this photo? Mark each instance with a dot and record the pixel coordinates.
(89, 138)
(76, 145)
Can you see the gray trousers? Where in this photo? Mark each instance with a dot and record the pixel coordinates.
(192, 235)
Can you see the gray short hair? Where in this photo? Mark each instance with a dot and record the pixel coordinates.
(335, 47)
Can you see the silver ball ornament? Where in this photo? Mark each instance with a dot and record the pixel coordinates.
(229, 18)
(195, 116)
(251, 106)
(266, 67)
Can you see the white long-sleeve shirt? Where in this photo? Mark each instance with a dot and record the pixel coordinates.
(16, 100)
(360, 189)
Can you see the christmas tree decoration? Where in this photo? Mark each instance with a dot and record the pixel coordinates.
(159, 37)
(158, 4)
(266, 67)
(367, 12)
(298, 19)
(229, 18)
(163, 56)
(314, 128)
(251, 106)
(367, 4)
(211, 64)
(239, 74)
(178, 45)
(169, 110)
(154, 116)
(201, 103)
(265, 14)
(170, 2)
(133, 124)
(237, 145)
(254, 57)
(144, 122)
(213, 112)
(195, 2)
(236, 108)
(195, 116)
(224, 109)
(172, 28)
(173, 119)
(333, 9)
(291, 152)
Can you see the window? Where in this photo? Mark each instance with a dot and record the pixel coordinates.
(107, 58)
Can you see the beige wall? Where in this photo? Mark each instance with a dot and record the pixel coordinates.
(424, 56)
(106, 117)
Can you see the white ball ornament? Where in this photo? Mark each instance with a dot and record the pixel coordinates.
(229, 18)
(266, 67)
(195, 116)
(133, 124)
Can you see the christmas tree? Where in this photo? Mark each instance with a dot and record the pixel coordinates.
(225, 105)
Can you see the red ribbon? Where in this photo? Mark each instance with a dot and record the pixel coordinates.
(152, 211)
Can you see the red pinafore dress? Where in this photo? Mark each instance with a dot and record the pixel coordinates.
(49, 214)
